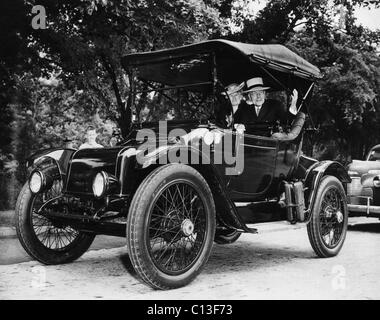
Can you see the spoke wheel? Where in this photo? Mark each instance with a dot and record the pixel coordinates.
(170, 227)
(331, 220)
(328, 226)
(52, 235)
(48, 241)
(177, 228)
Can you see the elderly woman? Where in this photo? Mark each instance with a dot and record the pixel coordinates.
(232, 98)
(235, 94)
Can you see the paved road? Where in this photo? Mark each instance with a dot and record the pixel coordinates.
(12, 252)
(272, 265)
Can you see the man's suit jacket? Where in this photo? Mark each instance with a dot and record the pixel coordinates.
(271, 111)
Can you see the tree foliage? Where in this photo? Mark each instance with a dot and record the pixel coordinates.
(86, 40)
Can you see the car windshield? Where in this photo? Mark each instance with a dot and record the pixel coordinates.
(179, 89)
(172, 104)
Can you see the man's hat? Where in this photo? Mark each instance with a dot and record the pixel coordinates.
(255, 84)
(233, 88)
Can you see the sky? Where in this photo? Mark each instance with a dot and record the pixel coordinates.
(369, 18)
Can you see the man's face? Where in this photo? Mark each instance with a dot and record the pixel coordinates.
(257, 98)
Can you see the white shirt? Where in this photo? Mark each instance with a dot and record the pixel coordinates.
(87, 145)
(257, 110)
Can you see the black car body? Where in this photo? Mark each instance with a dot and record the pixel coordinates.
(143, 201)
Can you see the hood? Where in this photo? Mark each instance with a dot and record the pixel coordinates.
(85, 164)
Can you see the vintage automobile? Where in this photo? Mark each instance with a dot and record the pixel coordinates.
(364, 190)
(171, 209)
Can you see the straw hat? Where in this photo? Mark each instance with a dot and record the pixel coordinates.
(255, 84)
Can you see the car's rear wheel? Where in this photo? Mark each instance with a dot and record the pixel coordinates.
(45, 240)
(328, 225)
(171, 226)
(226, 236)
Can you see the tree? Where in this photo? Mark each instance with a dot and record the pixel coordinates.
(86, 39)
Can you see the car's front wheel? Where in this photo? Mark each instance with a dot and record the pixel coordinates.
(48, 241)
(171, 226)
(328, 225)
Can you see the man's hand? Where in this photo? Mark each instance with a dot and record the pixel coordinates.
(240, 128)
(293, 103)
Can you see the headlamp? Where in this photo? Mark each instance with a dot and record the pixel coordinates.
(37, 181)
(100, 184)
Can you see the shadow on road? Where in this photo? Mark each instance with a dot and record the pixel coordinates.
(365, 227)
(127, 263)
(241, 257)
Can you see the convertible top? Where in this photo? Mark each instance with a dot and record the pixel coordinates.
(235, 62)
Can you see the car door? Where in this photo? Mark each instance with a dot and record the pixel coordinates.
(260, 155)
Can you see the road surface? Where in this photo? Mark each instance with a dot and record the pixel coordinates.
(271, 265)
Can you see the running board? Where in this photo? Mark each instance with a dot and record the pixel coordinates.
(260, 212)
(269, 227)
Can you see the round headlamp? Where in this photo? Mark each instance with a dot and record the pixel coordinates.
(36, 181)
(100, 184)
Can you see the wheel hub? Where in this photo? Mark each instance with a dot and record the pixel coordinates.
(329, 211)
(187, 227)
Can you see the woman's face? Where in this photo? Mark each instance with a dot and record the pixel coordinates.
(257, 97)
(235, 98)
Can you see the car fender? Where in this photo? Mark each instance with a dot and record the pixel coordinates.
(315, 174)
(59, 158)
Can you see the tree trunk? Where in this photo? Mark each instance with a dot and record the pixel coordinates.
(125, 119)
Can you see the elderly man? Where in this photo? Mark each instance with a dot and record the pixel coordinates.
(257, 108)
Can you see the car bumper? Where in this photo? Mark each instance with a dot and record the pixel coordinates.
(364, 210)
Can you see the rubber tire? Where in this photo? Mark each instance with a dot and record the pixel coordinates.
(138, 220)
(227, 238)
(33, 246)
(313, 228)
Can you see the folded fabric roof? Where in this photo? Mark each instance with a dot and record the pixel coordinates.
(234, 60)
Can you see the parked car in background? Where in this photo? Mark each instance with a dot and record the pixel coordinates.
(364, 190)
